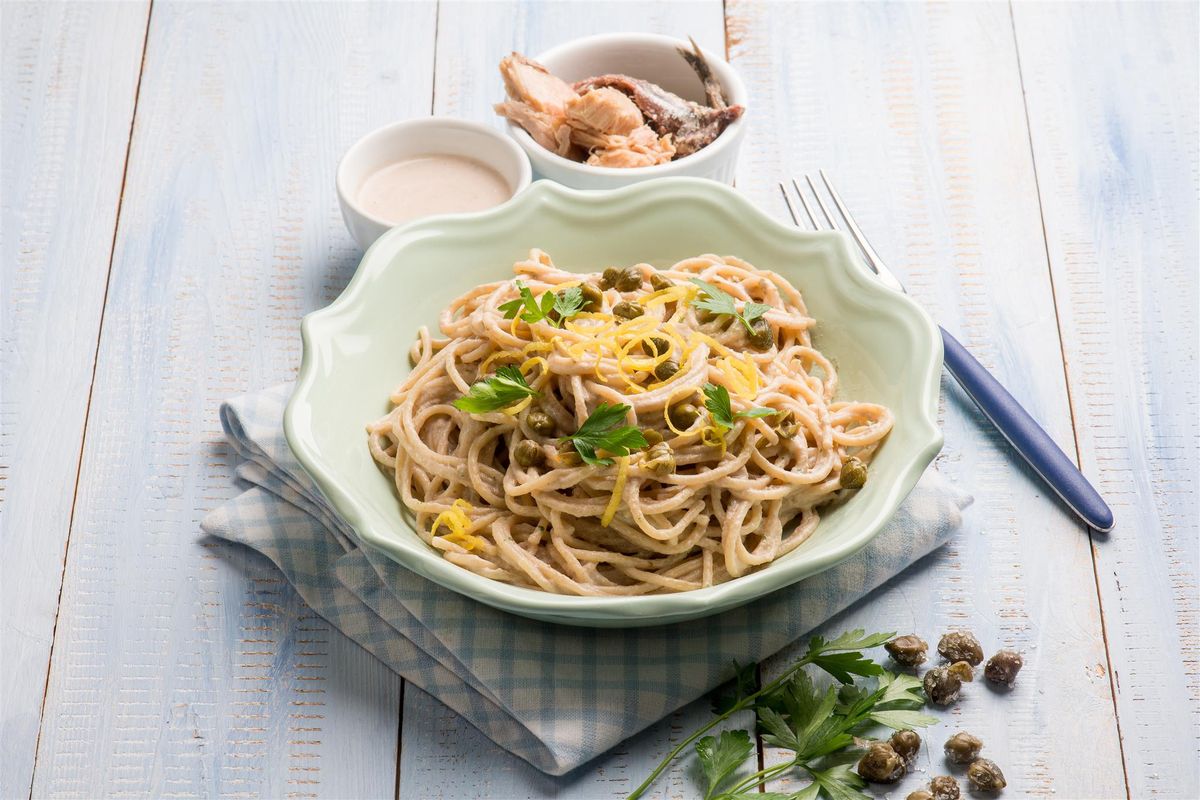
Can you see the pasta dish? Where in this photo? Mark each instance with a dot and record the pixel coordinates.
(634, 431)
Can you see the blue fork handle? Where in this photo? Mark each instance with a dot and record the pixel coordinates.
(1026, 436)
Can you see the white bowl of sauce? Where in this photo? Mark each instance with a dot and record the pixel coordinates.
(421, 167)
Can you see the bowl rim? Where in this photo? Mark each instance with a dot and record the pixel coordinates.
(346, 195)
(642, 609)
(728, 138)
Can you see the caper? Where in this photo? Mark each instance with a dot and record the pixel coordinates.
(854, 474)
(528, 453)
(1003, 667)
(907, 744)
(682, 415)
(786, 425)
(962, 670)
(881, 764)
(540, 422)
(660, 459)
(567, 456)
(608, 279)
(628, 280)
(658, 282)
(654, 346)
(942, 686)
(963, 748)
(651, 436)
(907, 650)
(666, 370)
(919, 794)
(628, 310)
(944, 787)
(985, 776)
(961, 646)
(592, 297)
(761, 335)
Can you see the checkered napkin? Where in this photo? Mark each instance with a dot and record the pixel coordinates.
(554, 695)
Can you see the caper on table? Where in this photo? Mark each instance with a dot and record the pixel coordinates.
(907, 650)
(683, 415)
(666, 370)
(985, 776)
(628, 280)
(854, 474)
(593, 298)
(628, 310)
(963, 748)
(540, 422)
(658, 282)
(962, 670)
(944, 787)
(608, 278)
(961, 646)
(660, 459)
(919, 794)
(907, 744)
(942, 686)
(761, 335)
(1003, 667)
(528, 453)
(881, 764)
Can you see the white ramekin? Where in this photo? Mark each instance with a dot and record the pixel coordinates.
(654, 58)
(421, 137)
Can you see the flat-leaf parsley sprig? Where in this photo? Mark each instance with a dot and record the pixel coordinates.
(718, 301)
(507, 387)
(602, 430)
(820, 728)
(720, 407)
(551, 307)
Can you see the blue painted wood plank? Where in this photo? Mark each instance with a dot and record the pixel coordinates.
(1115, 126)
(183, 667)
(69, 77)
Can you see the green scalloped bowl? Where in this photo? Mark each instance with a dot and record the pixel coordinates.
(355, 352)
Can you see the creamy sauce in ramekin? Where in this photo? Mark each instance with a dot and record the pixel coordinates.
(432, 184)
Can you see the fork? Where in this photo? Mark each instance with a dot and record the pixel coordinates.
(1001, 408)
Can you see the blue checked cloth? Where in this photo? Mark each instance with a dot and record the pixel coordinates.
(556, 696)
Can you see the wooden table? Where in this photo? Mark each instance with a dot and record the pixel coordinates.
(1031, 171)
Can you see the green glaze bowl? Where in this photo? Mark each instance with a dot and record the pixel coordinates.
(356, 351)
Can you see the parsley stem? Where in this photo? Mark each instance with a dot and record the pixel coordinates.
(740, 705)
(760, 777)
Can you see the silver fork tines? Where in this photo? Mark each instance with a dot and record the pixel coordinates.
(870, 256)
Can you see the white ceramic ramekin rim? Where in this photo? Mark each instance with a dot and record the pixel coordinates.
(346, 193)
(719, 149)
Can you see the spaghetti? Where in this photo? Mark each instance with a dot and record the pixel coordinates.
(736, 439)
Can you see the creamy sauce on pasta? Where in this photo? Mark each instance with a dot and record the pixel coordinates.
(432, 184)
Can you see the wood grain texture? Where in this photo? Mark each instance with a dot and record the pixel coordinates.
(1113, 102)
(917, 113)
(183, 667)
(70, 73)
(442, 756)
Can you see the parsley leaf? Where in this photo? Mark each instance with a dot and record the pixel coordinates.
(506, 387)
(742, 685)
(718, 301)
(568, 302)
(839, 782)
(535, 310)
(716, 400)
(719, 757)
(602, 430)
